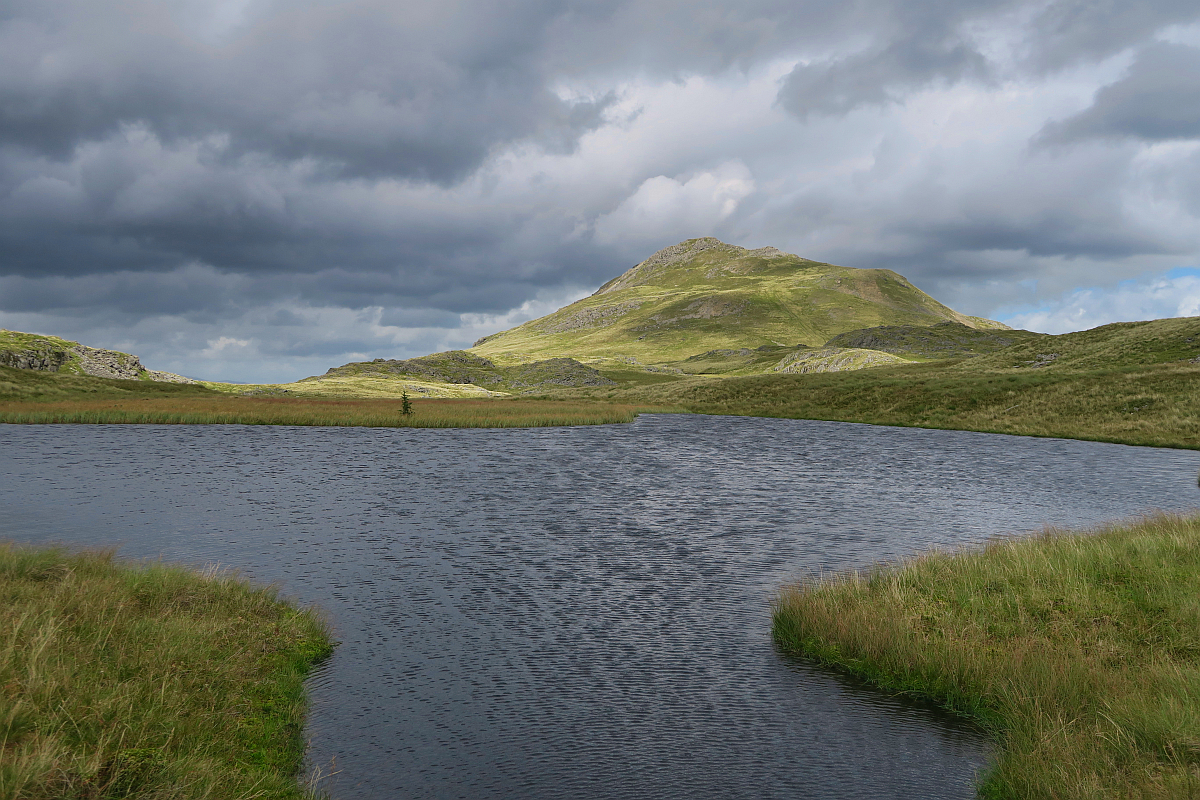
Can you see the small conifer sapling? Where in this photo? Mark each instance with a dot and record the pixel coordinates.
(405, 404)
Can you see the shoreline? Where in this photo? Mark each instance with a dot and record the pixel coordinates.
(139, 678)
(1078, 652)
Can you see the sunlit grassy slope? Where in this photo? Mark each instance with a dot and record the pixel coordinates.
(703, 295)
(37, 385)
(1136, 383)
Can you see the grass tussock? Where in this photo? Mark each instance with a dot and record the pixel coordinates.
(1079, 651)
(147, 681)
(217, 409)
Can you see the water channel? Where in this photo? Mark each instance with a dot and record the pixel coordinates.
(579, 612)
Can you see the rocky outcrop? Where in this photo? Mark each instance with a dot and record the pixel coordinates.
(644, 272)
(453, 366)
(597, 317)
(835, 359)
(559, 372)
(108, 363)
(167, 377)
(51, 354)
(704, 308)
(43, 359)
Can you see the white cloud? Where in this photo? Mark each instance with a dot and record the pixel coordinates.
(1131, 301)
(677, 209)
(220, 345)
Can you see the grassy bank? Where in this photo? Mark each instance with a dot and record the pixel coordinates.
(147, 681)
(1080, 651)
(1155, 405)
(217, 409)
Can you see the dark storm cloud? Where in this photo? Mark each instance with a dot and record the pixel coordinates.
(915, 45)
(419, 318)
(918, 45)
(365, 88)
(1068, 31)
(1158, 99)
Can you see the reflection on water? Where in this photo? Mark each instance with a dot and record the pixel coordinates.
(579, 612)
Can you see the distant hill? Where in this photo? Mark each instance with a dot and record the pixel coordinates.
(34, 351)
(429, 375)
(703, 295)
(1118, 345)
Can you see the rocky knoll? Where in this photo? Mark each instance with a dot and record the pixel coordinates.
(51, 354)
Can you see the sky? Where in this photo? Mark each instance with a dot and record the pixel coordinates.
(256, 191)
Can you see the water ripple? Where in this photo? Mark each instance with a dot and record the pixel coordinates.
(579, 612)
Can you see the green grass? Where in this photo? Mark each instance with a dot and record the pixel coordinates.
(148, 681)
(1079, 652)
(1155, 406)
(225, 409)
(25, 385)
(1133, 383)
(941, 341)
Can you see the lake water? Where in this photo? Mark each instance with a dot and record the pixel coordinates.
(579, 612)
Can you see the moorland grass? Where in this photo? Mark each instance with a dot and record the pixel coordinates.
(148, 681)
(219, 409)
(1080, 652)
(1154, 405)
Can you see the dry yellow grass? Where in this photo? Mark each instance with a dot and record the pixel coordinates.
(217, 409)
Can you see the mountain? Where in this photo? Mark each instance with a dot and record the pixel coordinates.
(703, 295)
(51, 354)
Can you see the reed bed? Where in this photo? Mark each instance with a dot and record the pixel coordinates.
(147, 681)
(217, 409)
(1080, 652)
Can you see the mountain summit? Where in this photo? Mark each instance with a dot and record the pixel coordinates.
(702, 294)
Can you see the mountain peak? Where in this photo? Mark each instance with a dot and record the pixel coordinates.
(685, 251)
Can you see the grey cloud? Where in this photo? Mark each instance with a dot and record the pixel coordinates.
(366, 88)
(154, 163)
(285, 317)
(911, 47)
(419, 318)
(917, 46)
(1158, 99)
(1066, 32)
(876, 77)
